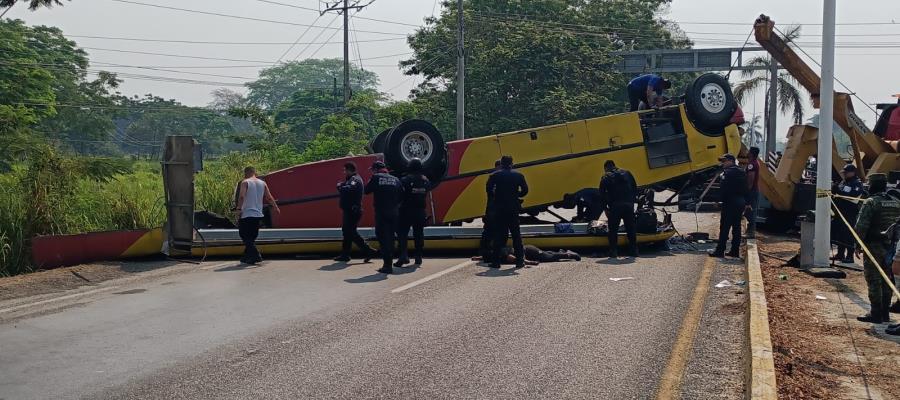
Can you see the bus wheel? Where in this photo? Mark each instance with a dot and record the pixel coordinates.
(417, 139)
(710, 103)
(376, 145)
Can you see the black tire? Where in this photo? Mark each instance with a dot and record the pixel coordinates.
(376, 145)
(710, 103)
(422, 140)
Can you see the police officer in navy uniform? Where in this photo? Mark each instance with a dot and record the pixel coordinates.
(850, 186)
(733, 186)
(487, 231)
(351, 193)
(412, 211)
(507, 187)
(387, 191)
(618, 194)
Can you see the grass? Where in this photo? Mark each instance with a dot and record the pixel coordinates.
(53, 200)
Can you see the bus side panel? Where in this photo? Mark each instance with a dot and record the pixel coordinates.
(615, 130)
(536, 144)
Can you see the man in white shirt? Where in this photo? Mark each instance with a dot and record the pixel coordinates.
(250, 206)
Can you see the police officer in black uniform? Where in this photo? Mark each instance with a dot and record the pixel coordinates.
(507, 187)
(387, 191)
(412, 211)
(850, 186)
(618, 194)
(487, 231)
(733, 186)
(351, 194)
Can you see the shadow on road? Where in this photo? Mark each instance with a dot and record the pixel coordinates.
(378, 276)
(337, 266)
(617, 261)
(237, 267)
(496, 273)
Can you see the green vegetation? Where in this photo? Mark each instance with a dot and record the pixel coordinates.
(76, 155)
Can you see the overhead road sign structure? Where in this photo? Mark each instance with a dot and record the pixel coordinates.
(685, 60)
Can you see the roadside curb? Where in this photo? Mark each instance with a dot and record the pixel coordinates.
(760, 365)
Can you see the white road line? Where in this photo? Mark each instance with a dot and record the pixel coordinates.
(219, 265)
(55, 299)
(432, 276)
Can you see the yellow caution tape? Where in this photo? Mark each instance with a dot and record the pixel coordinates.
(864, 248)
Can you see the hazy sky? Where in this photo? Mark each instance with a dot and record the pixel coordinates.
(867, 61)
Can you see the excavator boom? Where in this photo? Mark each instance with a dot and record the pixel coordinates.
(868, 148)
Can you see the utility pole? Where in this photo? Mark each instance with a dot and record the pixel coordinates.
(771, 127)
(822, 244)
(460, 74)
(342, 6)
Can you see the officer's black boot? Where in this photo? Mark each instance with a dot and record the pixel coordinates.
(893, 330)
(734, 253)
(895, 308)
(633, 251)
(386, 269)
(874, 316)
(370, 254)
(342, 258)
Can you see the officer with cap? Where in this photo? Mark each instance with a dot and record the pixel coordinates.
(507, 187)
(850, 186)
(412, 211)
(733, 186)
(351, 193)
(387, 191)
(618, 194)
(487, 231)
(877, 214)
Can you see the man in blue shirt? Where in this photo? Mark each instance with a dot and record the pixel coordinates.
(648, 88)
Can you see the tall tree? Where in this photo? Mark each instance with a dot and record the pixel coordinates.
(32, 4)
(279, 83)
(532, 63)
(790, 93)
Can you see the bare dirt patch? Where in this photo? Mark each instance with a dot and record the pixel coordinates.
(820, 350)
(62, 279)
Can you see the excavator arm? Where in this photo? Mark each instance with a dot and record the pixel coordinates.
(868, 149)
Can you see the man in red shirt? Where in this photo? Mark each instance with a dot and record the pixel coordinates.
(752, 190)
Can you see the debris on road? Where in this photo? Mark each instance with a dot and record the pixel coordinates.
(820, 297)
(627, 278)
(723, 284)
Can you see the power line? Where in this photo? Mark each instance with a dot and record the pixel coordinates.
(298, 40)
(319, 11)
(198, 57)
(317, 38)
(271, 21)
(204, 42)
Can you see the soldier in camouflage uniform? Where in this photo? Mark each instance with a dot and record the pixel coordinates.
(875, 217)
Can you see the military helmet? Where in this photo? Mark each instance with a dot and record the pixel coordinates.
(877, 178)
(415, 165)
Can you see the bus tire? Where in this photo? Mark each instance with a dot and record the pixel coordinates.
(710, 103)
(376, 145)
(417, 139)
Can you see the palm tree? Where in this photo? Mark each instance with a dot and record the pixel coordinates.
(753, 132)
(790, 93)
(32, 4)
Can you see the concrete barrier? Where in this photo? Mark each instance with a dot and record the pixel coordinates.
(760, 366)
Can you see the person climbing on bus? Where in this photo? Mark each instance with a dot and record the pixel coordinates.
(648, 88)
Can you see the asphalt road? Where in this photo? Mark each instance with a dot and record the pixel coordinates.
(313, 329)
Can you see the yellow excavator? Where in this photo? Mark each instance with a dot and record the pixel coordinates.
(870, 152)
